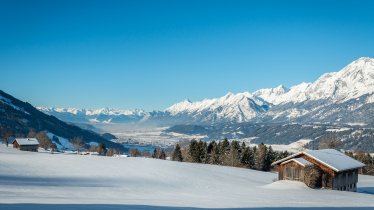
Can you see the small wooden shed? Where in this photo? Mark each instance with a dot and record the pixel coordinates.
(339, 171)
(26, 144)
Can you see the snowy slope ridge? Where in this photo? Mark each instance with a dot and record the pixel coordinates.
(351, 82)
(234, 107)
(144, 183)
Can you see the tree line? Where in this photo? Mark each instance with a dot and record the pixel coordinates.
(228, 153)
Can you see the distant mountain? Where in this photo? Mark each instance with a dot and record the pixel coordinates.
(339, 103)
(343, 97)
(353, 81)
(21, 117)
(104, 115)
(241, 107)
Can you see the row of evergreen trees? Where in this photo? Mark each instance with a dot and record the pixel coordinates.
(229, 154)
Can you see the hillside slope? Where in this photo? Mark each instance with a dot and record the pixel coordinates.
(21, 117)
(141, 183)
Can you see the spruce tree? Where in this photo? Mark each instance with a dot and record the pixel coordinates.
(203, 151)
(270, 157)
(234, 157)
(261, 153)
(156, 153)
(252, 158)
(162, 155)
(224, 151)
(194, 151)
(216, 156)
(209, 152)
(177, 154)
(244, 159)
(247, 158)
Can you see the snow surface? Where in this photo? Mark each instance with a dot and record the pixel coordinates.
(27, 141)
(301, 161)
(30, 180)
(329, 157)
(338, 129)
(337, 160)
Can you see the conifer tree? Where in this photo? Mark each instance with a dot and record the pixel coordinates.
(203, 151)
(247, 158)
(269, 159)
(216, 156)
(261, 153)
(194, 151)
(209, 152)
(224, 151)
(156, 153)
(177, 154)
(162, 155)
(244, 159)
(234, 158)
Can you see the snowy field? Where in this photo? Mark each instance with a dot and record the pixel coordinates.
(64, 181)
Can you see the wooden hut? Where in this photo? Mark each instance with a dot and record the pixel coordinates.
(26, 144)
(338, 171)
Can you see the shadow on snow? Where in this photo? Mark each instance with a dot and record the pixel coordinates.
(145, 207)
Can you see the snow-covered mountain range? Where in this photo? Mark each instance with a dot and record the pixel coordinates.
(351, 82)
(345, 96)
(104, 115)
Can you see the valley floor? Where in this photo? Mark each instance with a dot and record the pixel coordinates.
(61, 181)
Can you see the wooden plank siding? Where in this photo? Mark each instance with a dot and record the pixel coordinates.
(297, 172)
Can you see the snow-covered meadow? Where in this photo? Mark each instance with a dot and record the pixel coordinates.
(64, 181)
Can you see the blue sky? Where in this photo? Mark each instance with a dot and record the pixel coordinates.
(151, 54)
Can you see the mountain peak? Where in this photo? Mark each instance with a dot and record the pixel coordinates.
(187, 101)
(365, 59)
(354, 80)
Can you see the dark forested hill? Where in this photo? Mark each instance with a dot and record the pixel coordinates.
(19, 118)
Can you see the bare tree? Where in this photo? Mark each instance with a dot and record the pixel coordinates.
(134, 153)
(112, 152)
(78, 143)
(53, 147)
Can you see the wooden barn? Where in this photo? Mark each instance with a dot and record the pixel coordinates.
(26, 144)
(338, 171)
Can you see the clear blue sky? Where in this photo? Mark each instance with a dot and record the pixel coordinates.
(151, 54)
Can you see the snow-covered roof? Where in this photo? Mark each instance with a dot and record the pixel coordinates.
(27, 141)
(331, 158)
(301, 161)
